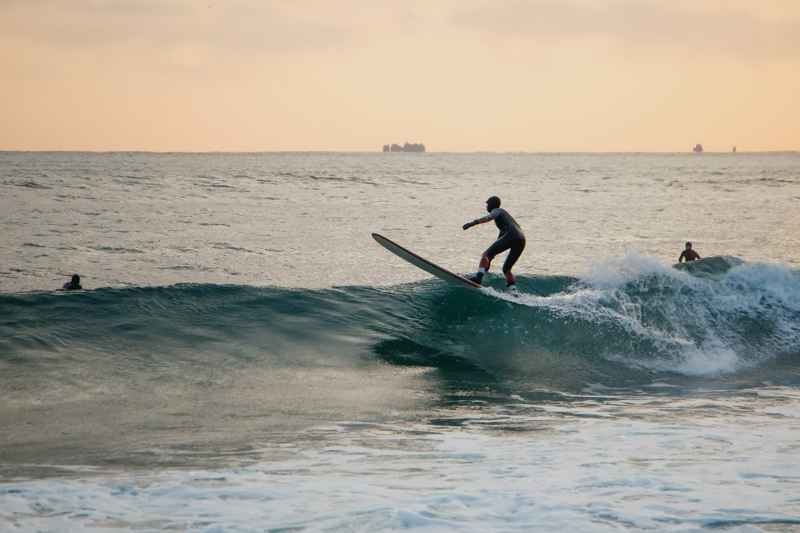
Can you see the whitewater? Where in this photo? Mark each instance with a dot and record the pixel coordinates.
(244, 357)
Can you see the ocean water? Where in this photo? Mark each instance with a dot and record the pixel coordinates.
(244, 357)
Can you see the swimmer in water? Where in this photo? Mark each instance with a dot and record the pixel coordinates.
(73, 285)
(688, 254)
(510, 238)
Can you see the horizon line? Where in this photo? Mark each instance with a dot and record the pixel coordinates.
(476, 152)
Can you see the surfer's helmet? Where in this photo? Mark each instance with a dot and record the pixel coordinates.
(492, 203)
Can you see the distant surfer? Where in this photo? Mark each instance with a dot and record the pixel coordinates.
(510, 238)
(73, 285)
(688, 254)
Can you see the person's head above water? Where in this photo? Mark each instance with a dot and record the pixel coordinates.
(688, 246)
(492, 203)
(76, 278)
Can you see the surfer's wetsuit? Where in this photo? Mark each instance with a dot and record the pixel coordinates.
(688, 255)
(73, 285)
(510, 238)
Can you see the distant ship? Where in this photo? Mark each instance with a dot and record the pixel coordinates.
(698, 148)
(405, 148)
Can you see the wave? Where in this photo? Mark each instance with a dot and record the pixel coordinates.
(714, 317)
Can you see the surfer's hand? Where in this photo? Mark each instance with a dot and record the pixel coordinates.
(467, 226)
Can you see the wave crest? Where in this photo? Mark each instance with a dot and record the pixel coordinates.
(720, 316)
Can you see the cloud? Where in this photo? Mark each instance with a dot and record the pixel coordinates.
(253, 27)
(705, 27)
(236, 26)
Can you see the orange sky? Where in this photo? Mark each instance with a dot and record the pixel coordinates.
(351, 75)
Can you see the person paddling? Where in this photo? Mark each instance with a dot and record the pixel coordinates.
(510, 238)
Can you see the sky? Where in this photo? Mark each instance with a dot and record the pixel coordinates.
(353, 75)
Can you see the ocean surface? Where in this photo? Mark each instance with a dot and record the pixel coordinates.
(245, 357)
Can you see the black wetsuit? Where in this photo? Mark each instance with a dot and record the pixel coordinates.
(688, 255)
(510, 238)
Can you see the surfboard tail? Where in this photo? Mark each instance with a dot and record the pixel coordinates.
(424, 264)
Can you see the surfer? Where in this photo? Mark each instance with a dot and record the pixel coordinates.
(73, 285)
(510, 238)
(688, 254)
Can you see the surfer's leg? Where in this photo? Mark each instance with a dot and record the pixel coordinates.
(483, 266)
(517, 246)
(498, 246)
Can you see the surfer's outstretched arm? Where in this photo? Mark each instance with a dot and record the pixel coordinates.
(482, 220)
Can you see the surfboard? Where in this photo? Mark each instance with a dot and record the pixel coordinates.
(424, 264)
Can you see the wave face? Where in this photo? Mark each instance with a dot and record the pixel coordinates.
(715, 317)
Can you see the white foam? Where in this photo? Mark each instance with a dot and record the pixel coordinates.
(616, 272)
(609, 465)
(699, 326)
